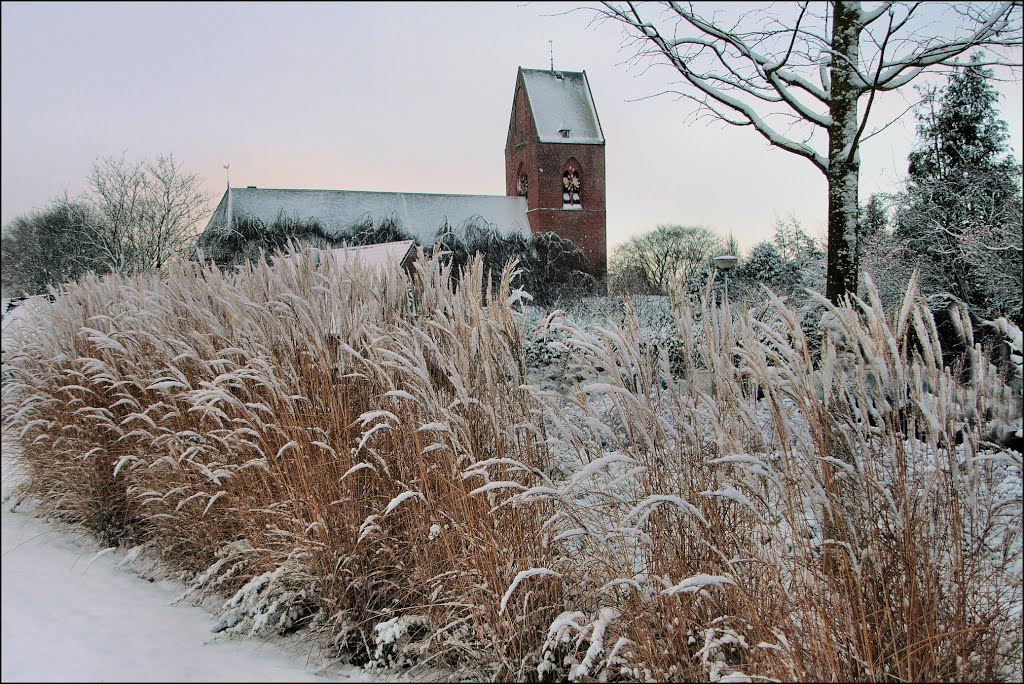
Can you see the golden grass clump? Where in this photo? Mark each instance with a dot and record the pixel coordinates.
(365, 454)
(294, 438)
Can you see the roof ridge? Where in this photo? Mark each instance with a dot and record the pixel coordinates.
(548, 71)
(378, 192)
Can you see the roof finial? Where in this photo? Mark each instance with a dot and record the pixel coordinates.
(551, 51)
(228, 213)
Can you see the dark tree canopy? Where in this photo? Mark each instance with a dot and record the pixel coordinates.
(48, 248)
(553, 268)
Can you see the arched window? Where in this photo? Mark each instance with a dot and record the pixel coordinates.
(571, 186)
(522, 184)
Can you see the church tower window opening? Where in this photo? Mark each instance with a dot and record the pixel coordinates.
(571, 187)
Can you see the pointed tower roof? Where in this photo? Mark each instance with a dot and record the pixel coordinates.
(561, 101)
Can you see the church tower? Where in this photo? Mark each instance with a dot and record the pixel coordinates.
(554, 156)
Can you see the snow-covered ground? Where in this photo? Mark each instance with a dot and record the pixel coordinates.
(69, 614)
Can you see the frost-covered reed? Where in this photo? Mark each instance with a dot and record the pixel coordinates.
(779, 515)
(322, 449)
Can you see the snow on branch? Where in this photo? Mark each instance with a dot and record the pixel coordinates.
(523, 575)
(751, 67)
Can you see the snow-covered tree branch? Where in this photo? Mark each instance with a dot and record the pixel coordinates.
(809, 65)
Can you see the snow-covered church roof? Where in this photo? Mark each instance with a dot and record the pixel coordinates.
(562, 101)
(420, 215)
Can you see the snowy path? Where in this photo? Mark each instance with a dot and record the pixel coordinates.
(68, 617)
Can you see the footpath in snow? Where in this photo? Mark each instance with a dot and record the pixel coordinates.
(71, 615)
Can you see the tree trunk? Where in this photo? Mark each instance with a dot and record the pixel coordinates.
(843, 159)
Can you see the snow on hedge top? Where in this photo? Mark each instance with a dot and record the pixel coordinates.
(561, 100)
(419, 214)
(377, 257)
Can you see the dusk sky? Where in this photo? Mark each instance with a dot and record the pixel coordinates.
(409, 97)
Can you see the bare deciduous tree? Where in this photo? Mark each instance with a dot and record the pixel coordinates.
(143, 212)
(654, 260)
(806, 76)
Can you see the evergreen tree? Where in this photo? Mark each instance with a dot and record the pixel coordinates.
(765, 266)
(960, 213)
(959, 130)
(873, 221)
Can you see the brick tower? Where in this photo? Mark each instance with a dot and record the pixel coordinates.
(554, 156)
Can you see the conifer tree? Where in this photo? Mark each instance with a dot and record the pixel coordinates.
(873, 220)
(961, 211)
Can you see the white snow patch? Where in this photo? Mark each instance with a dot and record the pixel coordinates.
(63, 622)
(525, 574)
(698, 582)
(393, 504)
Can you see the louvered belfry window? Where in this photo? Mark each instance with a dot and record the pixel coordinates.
(571, 187)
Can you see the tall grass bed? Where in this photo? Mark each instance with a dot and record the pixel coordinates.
(366, 457)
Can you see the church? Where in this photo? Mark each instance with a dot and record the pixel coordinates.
(554, 181)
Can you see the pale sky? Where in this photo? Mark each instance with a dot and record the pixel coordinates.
(406, 97)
